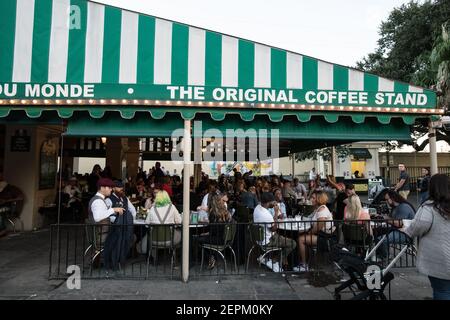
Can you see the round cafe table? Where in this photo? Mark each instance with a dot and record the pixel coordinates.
(291, 224)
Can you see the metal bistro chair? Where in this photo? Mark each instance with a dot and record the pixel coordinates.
(256, 233)
(160, 236)
(94, 240)
(356, 236)
(230, 232)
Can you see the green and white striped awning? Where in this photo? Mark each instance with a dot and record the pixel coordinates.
(80, 55)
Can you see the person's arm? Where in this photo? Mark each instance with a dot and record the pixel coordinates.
(303, 191)
(132, 209)
(319, 225)
(421, 223)
(176, 215)
(399, 184)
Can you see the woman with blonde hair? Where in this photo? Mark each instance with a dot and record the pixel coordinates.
(354, 211)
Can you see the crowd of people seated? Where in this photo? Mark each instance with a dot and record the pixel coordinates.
(216, 201)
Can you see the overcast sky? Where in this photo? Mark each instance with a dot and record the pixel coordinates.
(338, 31)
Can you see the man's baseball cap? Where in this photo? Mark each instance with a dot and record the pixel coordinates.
(105, 182)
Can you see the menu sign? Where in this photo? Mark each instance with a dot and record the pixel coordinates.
(20, 142)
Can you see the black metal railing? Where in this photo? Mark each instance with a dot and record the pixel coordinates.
(150, 251)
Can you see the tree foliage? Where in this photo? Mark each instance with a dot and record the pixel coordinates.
(414, 47)
(342, 152)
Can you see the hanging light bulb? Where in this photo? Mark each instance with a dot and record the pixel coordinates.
(103, 140)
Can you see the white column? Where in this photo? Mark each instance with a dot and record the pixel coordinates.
(433, 152)
(333, 161)
(186, 194)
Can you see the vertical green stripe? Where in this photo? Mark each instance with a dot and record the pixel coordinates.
(340, 78)
(309, 73)
(41, 40)
(111, 45)
(146, 49)
(370, 82)
(278, 68)
(180, 45)
(213, 65)
(77, 45)
(246, 73)
(401, 87)
(7, 33)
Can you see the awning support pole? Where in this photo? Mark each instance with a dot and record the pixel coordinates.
(333, 160)
(433, 152)
(186, 195)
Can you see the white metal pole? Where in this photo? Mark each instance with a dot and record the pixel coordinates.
(333, 160)
(186, 195)
(433, 152)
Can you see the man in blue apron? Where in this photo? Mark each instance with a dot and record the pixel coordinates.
(120, 237)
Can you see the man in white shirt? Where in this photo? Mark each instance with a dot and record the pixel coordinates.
(271, 239)
(99, 210)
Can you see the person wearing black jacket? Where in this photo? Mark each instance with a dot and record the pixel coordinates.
(120, 237)
(423, 185)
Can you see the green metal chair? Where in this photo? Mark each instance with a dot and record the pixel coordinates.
(161, 236)
(94, 236)
(229, 234)
(256, 233)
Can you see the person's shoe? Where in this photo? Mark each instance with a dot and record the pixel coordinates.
(212, 263)
(261, 259)
(269, 263)
(276, 267)
(300, 268)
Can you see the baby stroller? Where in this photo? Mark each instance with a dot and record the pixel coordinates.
(362, 271)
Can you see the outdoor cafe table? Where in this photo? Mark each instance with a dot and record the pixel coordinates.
(293, 225)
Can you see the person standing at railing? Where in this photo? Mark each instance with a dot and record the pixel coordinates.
(401, 209)
(99, 210)
(423, 184)
(120, 237)
(432, 225)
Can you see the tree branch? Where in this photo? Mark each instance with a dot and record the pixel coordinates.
(439, 137)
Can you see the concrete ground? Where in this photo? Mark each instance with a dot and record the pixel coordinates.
(24, 267)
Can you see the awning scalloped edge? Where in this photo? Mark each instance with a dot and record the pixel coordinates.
(217, 115)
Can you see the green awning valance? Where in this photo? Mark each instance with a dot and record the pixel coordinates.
(318, 128)
(218, 114)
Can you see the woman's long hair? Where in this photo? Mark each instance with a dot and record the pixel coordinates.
(440, 194)
(217, 210)
(354, 208)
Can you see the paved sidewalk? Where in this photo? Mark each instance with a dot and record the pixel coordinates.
(24, 272)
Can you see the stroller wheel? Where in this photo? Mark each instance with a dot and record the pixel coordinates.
(337, 296)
